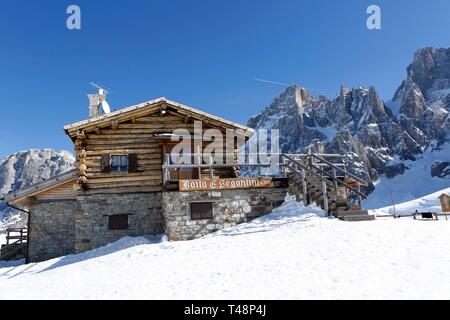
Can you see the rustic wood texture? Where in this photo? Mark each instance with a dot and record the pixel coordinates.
(136, 138)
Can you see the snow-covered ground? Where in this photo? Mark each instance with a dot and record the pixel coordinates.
(293, 253)
(416, 182)
(429, 203)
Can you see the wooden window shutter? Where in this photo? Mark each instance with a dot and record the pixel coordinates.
(132, 163)
(106, 166)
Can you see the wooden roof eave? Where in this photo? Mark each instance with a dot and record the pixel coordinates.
(141, 109)
(21, 196)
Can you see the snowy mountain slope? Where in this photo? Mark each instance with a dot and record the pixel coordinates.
(25, 168)
(416, 182)
(292, 253)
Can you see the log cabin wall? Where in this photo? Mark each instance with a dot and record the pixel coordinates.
(137, 137)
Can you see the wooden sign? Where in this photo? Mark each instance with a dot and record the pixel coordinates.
(224, 184)
(445, 202)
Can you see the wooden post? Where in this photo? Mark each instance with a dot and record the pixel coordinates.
(166, 170)
(199, 160)
(325, 197)
(211, 170)
(310, 159)
(305, 186)
(359, 196)
(335, 179)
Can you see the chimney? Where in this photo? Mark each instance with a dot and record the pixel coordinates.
(94, 105)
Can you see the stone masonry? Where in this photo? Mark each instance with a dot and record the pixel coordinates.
(52, 231)
(63, 227)
(230, 207)
(91, 223)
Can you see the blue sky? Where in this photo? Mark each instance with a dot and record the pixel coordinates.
(201, 53)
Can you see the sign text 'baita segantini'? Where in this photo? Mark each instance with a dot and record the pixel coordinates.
(224, 184)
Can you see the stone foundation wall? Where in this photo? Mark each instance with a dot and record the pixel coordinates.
(230, 207)
(91, 223)
(52, 231)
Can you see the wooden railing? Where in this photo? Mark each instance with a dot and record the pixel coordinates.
(312, 164)
(307, 166)
(17, 234)
(16, 242)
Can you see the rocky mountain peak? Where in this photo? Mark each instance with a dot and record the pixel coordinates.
(423, 98)
(430, 69)
(357, 121)
(28, 167)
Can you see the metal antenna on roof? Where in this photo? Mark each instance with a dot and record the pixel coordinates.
(102, 95)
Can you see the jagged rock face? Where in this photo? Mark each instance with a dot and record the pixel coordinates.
(22, 169)
(424, 97)
(358, 123)
(394, 170)
(440, 169)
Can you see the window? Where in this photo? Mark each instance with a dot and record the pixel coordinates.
(119, 163)
(118, 222)
(201, 210)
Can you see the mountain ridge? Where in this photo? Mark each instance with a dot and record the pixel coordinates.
(376, 135)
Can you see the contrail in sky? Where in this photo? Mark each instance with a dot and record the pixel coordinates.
(287, 85)
(274, 82)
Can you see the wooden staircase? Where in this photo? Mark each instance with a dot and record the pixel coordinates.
(16, 249)
(329, 185)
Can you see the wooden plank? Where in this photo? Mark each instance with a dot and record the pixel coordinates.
(168, 125)
(143, 162)
(125, 178)
(109, 141)
(158, 117)
(120, 136)
(142, 131)
(119, 151)
(156, 184)
(149, 147)
(144, 159)
(150, 167)
(125, 189)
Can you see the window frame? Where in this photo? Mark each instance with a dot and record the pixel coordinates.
(119, 167)
(114, 226)
(201, 215)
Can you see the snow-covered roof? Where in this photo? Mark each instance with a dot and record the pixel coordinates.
(128, 112)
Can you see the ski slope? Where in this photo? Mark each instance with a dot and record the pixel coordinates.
(293, 253)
